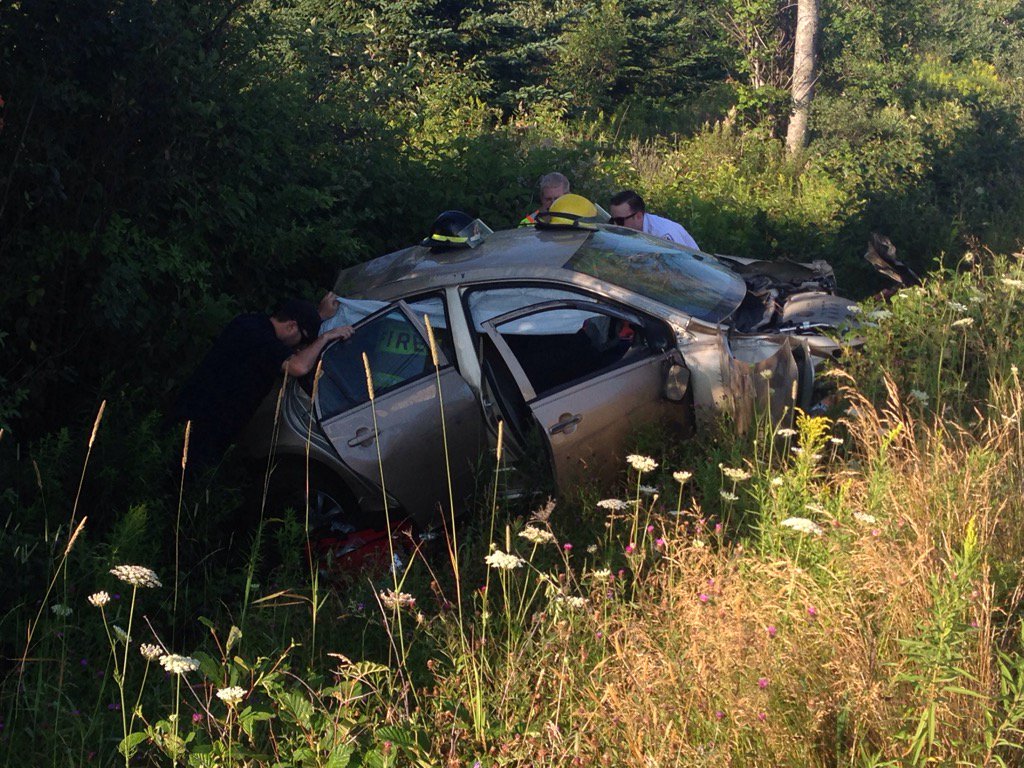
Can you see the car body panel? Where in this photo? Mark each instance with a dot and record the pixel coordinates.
(400, 430)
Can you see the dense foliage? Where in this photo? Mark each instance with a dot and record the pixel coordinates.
(163, 165)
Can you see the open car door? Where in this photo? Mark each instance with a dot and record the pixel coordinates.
(588, 375)
(406, 445)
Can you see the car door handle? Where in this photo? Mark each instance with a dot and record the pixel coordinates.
(364, 436)
(567, 423)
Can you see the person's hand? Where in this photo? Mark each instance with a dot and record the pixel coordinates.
(328, 307)
(343, 332)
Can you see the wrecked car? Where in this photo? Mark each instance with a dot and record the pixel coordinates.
(571, 337)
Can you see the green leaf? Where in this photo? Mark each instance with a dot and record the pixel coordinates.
(234, 635)
(340, 756)
(128, 744)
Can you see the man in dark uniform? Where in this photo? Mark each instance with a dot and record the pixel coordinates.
(239, 370)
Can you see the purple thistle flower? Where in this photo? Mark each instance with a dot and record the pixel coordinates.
(772, 631)
(762, 683)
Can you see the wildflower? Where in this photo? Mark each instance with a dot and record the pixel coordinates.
(786, 432)
(197, 717)
(836, 440)
(650, 529)
(698, 544)
(591, 549)
(919, 396)
(231, 695)
(880, 314)
(762, 716)
(576, 603)
(803, 525)
(762, 683)
(395, 600)
(648, 490)
(681, 476)
(59, 609)
(875, 532)
(765, 374)
(863, 517)
(630, 549)
(150, 652)
(956, 306)
(99, 599)
(120, 634)
(503, 562)
(718, 527)
(964, 322)
(136, 575)
(703, 597)
(537, 535)
(736, 475)
(719, 714)
(178, 665)
(772, 630)
(659, 543)
(1010, 282)
(797, 450)
(616, 505)
(812, 611)
(567, 546)
(601, 574)
(728, 496)
(777, 481)
(641, 463)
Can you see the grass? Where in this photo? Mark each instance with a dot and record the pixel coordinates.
(847, 593)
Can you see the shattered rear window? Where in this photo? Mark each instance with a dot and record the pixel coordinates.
(695, 283)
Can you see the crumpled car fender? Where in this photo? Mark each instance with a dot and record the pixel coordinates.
(747, 378)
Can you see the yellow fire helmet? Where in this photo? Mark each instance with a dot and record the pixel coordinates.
(573, 211)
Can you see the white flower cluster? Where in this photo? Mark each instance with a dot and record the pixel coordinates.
(681, 476)
(503, 562)
(231, 695)
(150, 652)
(641, 463)
(537, 535)
(863, 517)
(1011, 282)
(919, 396)
(395, 600)
(963, 322)
(786, 432)
(59, 609)
(179, 665)
(136, 575)
(99, 599)
(728, 495)
(648, 490)
(575, 603)
(616, 505)
(736, 475)
(802, 525)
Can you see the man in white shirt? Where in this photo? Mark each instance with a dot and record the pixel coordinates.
(628, 210)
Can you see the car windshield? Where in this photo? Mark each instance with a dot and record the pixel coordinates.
(693, 282)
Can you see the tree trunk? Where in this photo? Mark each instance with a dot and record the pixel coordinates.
(804, 73)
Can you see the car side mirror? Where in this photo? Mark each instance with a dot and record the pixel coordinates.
(677, 381)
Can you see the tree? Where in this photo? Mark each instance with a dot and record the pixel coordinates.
(804, 73)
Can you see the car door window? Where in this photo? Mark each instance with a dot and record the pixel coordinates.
(554, 353)
(395, 350)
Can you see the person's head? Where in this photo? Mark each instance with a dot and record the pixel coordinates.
(552, 186)
(296, 322)
(627, 210)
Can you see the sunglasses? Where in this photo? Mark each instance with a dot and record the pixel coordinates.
(620, 220)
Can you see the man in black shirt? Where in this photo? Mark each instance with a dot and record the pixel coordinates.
(239, 370)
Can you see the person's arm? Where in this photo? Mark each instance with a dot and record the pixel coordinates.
(303, 361)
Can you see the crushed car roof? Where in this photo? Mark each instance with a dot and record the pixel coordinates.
(694, 282)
